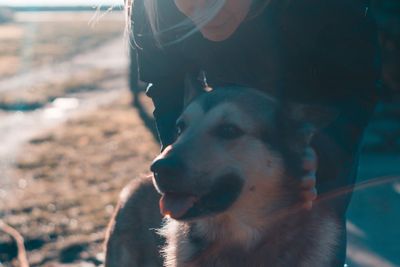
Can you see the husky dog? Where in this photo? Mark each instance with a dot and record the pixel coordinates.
(229, 190)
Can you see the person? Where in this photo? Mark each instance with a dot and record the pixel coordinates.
(308, 51)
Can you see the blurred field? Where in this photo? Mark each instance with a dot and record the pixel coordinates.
(45, 55)
(37, 95)
(68, 182)
(40, 38)
(60, 190)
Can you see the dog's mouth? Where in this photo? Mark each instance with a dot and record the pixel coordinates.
(176, 205)
(185, 206)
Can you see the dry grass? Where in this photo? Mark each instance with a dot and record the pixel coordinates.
(31, 41)
(37, 95)
(69, 181)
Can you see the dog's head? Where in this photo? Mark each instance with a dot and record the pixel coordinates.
(233, 153)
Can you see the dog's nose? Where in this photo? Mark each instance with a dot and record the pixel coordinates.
(167, 170)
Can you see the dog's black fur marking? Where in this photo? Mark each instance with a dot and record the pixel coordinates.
(221, 197)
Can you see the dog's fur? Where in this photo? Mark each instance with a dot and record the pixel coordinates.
(236, 163)
(131, 240)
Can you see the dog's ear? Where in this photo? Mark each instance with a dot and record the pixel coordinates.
(193, 88)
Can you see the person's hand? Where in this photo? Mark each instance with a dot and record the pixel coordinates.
(308, 181)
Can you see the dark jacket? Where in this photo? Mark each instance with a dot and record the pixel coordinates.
(316, 51)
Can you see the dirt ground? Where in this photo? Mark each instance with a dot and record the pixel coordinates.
(36, 39)
(45, 55)
(68, 182)
(65, 181)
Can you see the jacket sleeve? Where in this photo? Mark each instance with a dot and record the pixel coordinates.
(163, 67)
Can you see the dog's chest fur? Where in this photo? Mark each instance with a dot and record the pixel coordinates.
(302, 240)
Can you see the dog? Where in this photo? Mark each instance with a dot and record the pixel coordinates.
(228, 189)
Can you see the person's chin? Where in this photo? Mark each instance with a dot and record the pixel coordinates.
(217, 36)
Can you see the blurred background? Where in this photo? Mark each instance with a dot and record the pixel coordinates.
(69, 137)
(72, 135)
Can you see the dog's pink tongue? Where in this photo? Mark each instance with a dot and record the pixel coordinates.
(176, 205)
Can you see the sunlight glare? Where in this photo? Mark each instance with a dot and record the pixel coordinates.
(60, 106)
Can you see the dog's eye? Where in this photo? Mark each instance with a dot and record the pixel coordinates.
(228, 131)
(180, 127)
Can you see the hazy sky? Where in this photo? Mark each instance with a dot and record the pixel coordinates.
(60, 2)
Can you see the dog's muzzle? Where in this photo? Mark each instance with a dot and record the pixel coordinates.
(186, 194)
(168, 179)
(168, 173)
